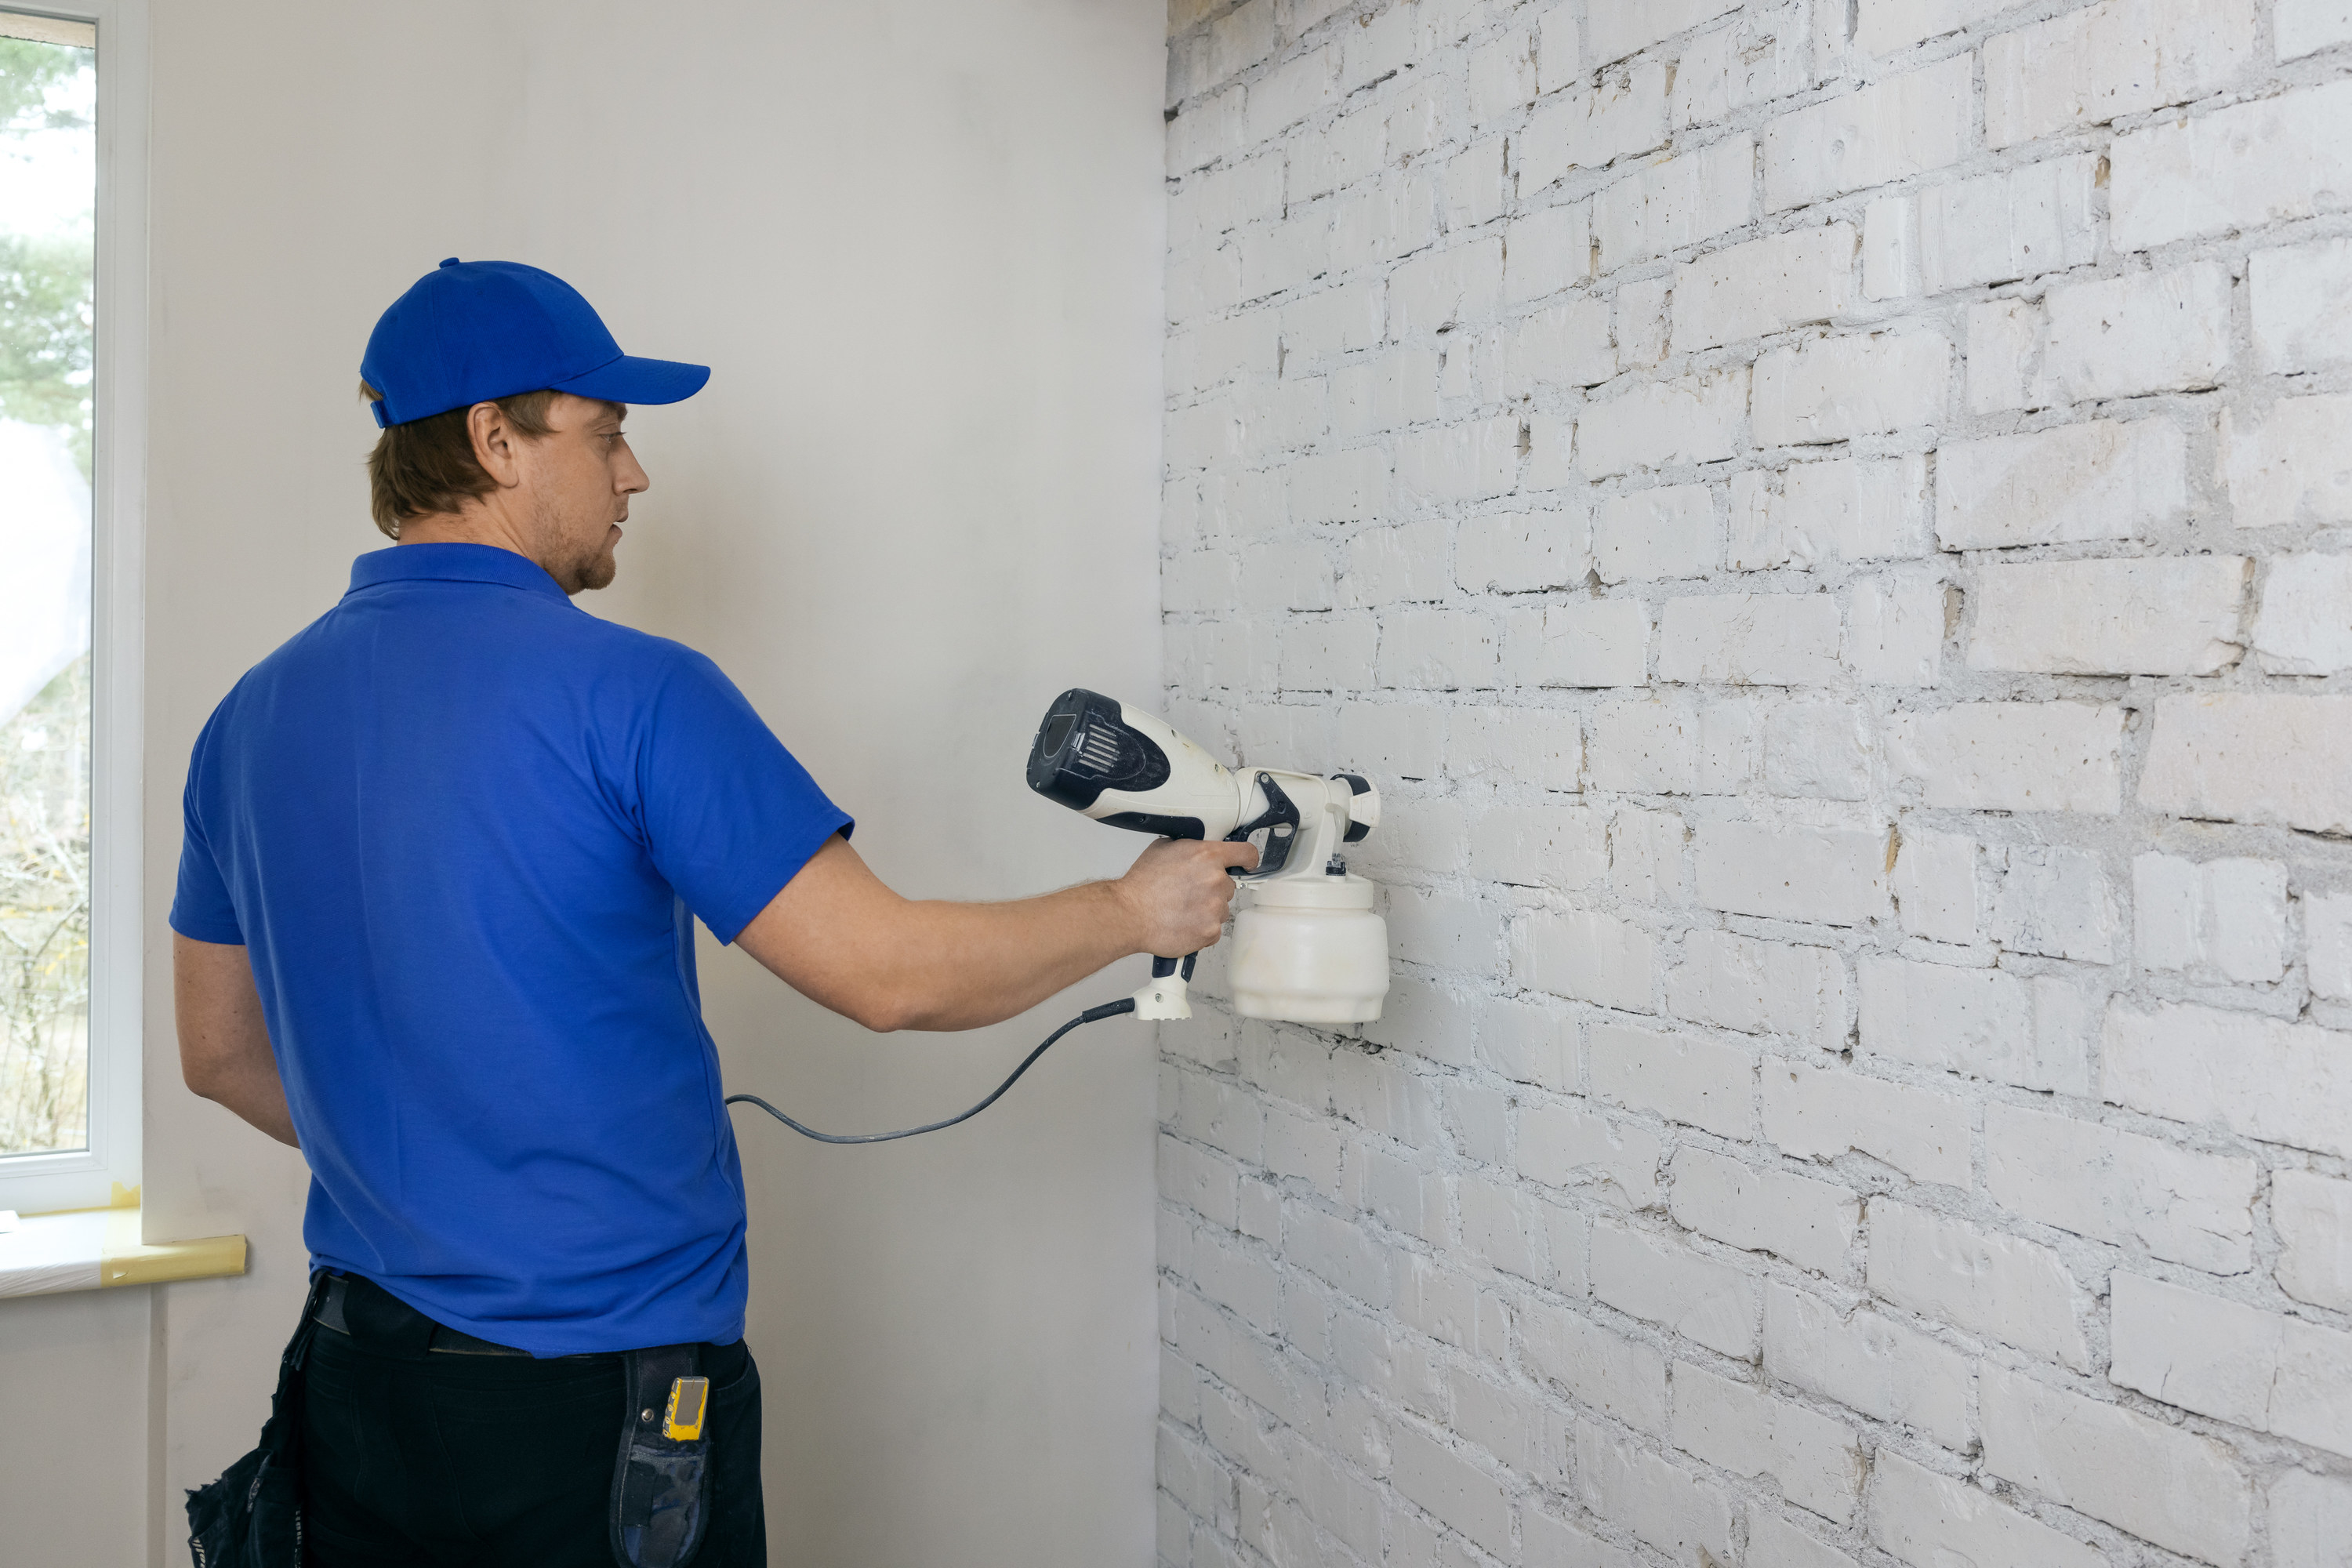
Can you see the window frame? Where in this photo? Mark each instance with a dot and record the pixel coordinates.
(110, 1167)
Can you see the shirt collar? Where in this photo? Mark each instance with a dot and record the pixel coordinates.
(452, 564)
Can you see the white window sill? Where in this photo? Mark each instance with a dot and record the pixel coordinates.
(97, 1250)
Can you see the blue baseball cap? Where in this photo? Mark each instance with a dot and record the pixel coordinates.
(471, 331)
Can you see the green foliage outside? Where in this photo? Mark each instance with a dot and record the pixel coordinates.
(46, 283)
(46, 313)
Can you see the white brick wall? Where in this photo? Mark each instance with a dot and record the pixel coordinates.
(1831, 525)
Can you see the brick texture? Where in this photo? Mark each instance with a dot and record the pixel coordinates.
(1827, 524)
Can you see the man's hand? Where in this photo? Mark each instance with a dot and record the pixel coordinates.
(840, 937)
(1181, 891)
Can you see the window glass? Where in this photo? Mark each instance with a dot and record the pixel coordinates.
(49, 182)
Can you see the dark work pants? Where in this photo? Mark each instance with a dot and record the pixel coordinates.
(411, 1455)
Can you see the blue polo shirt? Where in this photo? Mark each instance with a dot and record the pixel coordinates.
(463, 829)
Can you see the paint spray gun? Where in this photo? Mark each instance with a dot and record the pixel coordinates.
(1307, 945)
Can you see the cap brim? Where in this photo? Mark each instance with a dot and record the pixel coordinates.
(631, 380)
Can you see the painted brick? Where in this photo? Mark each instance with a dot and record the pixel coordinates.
(1669, 532)
(1566, 344)
(1441, 557)
(2014, 756)
(2267, 1079)
(1549, 249)
(1753, 59)
(1820, 1114)
(2234, 1363)
(1565, 1146)
(1618, 1377)
(2310, 1520)
(2327, 934)
(1684, 201)
(1868, 1362)
(2121, 1188)
(1661, 1503)
(1774, 1543)
(1812, 1224)
(2002, 1288)
(2116, 58)
(1467, 1497)
(2289, 462)
(1832, 389)
(2183, 615)
(1590, 642)
(1813, 514)
(2057, 902)
(1538, 846)
(1737, 1428)
(2222, 919)
(1588, 957)
(1649, 1277)
(2313, 1215)
(2306, 624)
(1760, 987)
(1791, 874)
(1643, 748)
(1642, 321)
(1658, 424)
(2256, 164)
(1750, 640)
(1612, 32)
(1764, 286)
(1443, 651)
(1990, 230)
(1935, 886)
(2301, 308)
(1459, 462)
(1979, 1023)
(1684, 1078)
(1883, 27)
(1905, 125)
(2253, 757)
(1624, 114)
(2144, 332)
(2159, 1482)
(1930, 1521)
(1816, 751)
(1391, 565)
(1894, 630)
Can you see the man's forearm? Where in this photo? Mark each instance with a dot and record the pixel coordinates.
(225, 1052)
(256, 1095)
(840, 937)
(977, 963)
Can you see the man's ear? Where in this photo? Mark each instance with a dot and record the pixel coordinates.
(494, 444)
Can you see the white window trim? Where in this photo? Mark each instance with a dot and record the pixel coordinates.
(88, 1178)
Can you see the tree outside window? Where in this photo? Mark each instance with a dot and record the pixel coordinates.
(48, 186)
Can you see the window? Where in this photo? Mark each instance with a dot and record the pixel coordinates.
(69, 947)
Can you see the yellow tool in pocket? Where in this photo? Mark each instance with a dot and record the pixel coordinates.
(682, 1422)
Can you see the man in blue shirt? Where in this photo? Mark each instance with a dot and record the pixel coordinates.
(443, 854)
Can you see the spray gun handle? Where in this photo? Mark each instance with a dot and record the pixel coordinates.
(1165, 997)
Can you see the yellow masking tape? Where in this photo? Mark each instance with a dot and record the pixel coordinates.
(124, 1260)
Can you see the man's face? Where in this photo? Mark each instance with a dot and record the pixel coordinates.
(582, 475)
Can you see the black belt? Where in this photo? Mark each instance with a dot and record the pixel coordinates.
(437, 1337)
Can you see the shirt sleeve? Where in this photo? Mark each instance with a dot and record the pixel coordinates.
(729, 814)
(201, 909)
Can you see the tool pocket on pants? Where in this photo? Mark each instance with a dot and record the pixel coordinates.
(737, 1536)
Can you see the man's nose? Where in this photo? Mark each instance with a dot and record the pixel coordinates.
(632, 477)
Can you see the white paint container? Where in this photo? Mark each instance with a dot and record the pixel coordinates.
(1309, 950)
